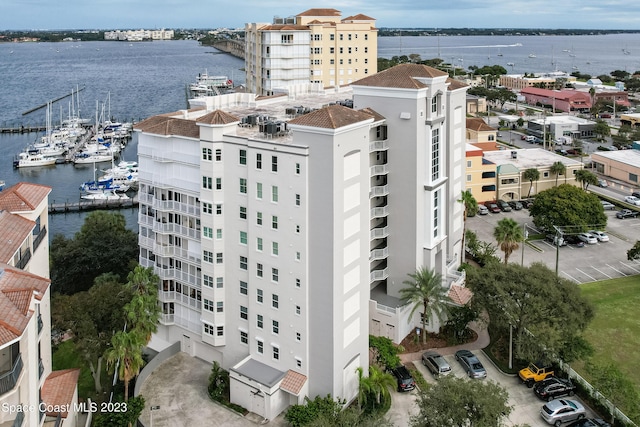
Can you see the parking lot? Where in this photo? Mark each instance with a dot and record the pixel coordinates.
(600, 261)
(526, 406)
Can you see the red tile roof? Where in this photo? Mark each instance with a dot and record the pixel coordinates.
(217, 117)
(320, 12)
(59, 389)
(163, 125)
(14, 230)
(293, 382)
(477, 124)
(17, 287)
(459, 294)
(401, 76)
(331, 117)
(359, 17)
(23, 196)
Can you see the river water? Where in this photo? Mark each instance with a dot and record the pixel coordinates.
(133, 81)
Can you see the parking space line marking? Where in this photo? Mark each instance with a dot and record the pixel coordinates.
(570, 277)
(586, 274)
(599, 271)
(627, 265)
(615, 269)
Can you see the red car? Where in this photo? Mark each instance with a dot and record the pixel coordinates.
(493, 207)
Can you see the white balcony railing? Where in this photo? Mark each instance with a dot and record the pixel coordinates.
(379, 145)
(378, 254)
(379, 191)
(380, 212)
(379, 233)
(378, 170)
(377, 275)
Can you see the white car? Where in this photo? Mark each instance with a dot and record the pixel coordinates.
(482, 210)
(561, 411)
(600, 235)
(607, 205)
(632, 200)
(588, 238)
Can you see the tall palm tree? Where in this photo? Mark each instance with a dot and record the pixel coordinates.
(558, 168)
(379, 383)
(364, 388)
(586, 178)
(470, 207)
(126, 351)
(508, 233)
(531, 175)
(143, 311)
(143, 280)
(425, 291)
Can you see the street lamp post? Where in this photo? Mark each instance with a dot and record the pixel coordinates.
(525, 233)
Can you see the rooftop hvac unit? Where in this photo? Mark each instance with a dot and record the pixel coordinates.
(514, 154)
(272, 128)
(290, 20)
(278, 21)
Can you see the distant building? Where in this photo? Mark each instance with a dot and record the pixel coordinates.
(558, 100)
(480, 175)
(476, 104)
(623, 165)
(317, 46)
(518, 82)
(139, 35)
(557, 126)
(481, 134)
(630, 119)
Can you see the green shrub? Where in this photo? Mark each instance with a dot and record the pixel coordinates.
(386, 352)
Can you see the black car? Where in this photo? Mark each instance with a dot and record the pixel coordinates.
(404, 379)
(590, 422)
(553, 387)
(515, 205)
(504, 206)
(574, 241)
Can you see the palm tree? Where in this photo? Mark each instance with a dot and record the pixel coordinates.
(126, 351)
(586, 178)
(558, 168)
(143, 280)
(425, 290)
(364, 388)
(531, 175)
(379, 383)
(508, 233)
(470, 206)
(143, 311)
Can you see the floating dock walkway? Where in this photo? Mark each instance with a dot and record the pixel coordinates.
(93, 205)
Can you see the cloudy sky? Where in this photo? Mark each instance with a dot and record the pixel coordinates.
(149, 14)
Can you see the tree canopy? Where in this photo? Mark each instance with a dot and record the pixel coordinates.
(546, 312)
(569, 207)
(508, 234)
(103, 245)
(454, 402)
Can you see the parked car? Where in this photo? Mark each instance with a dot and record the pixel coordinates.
(636, 194)
(527, 203)
(561, 411)
(632, 200)
(482, 210)
(535, 372)
(556, 240)
(554, 387)
(504, 206)
(590, 422)
(436, 363)
(608, 206)
(574, 241)
(404, 379)
(602, 183)
(472, 366)
(588, 238)
(600, 235)
(515, 205)
(626, 213)
(493, 207)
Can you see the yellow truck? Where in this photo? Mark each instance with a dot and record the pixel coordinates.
(535, 372)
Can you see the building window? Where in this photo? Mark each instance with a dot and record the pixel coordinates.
(298, 362)
(219, 282)
(545, 174)
(207, 154)
(207, 281)
(297, 229)
(220, 331)
(218, 233)
(434, 104)
(259, 321)
(275, 327)
(274, 163)
(298, 336)
(207, 256)
(243, 185)
(243, 157)
(208, 305)
(332, 50)
(298, 283)
(260, 346)
(298, 256)
(243, 212)
(243, 237)
(332, 36)
(259, 190)
(297, 168)
(243, 262)
(366, 50)
(274, 193)
(468, 178)
(275, 301)
(276, 353)
(218, 183)
(259, 296)
(274, 274)
(259, 218)
(366, 71)
(207, 232)
(298, 310)
(297, 200)
(258, 161)
(244, 288)
(366, 36)
(274, 248)
(349, 51)
(218, 209)
(286, 38)
(207, 182)
(244, 337)
(218, 155)
(259, 270)
(435, 154)
(633, 177)
(207, 208)
(274, 222)
(219, 257)
(436, 197)
(468, 163)
(244, 312)
(208, 329)
(219, 306)
(341, 50)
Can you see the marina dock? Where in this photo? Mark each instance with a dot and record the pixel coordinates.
(23, 129)
(92, 205)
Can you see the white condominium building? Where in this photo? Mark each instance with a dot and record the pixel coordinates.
(282, 228)
(317, 46)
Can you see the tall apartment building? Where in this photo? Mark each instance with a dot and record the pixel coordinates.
(29, 390)
(283, 228)
(317, 46)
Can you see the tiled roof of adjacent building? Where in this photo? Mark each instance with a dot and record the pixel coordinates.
(401, 76)
(376, 116)
(293, 382)
(284, 27)
(455, 84)
(163, 125)
(359, 17)
(23, 196)
(217, 117)
(59, 389)
(331, 117)
(14, 229)
(477, 124)
(17, 287)
(459, 294)
(320, 12)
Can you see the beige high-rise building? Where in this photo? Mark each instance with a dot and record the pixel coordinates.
(315, 46)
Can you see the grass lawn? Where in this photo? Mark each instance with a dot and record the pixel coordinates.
(614, 332)
(66, 357)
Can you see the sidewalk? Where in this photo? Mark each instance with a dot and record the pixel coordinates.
(481, 342)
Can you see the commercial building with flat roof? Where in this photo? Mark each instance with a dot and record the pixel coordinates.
(623, 165)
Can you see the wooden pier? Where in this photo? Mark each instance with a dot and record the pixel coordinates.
(92, 205)
(23, 129)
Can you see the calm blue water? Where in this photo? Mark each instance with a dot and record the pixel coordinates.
(134, 81)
